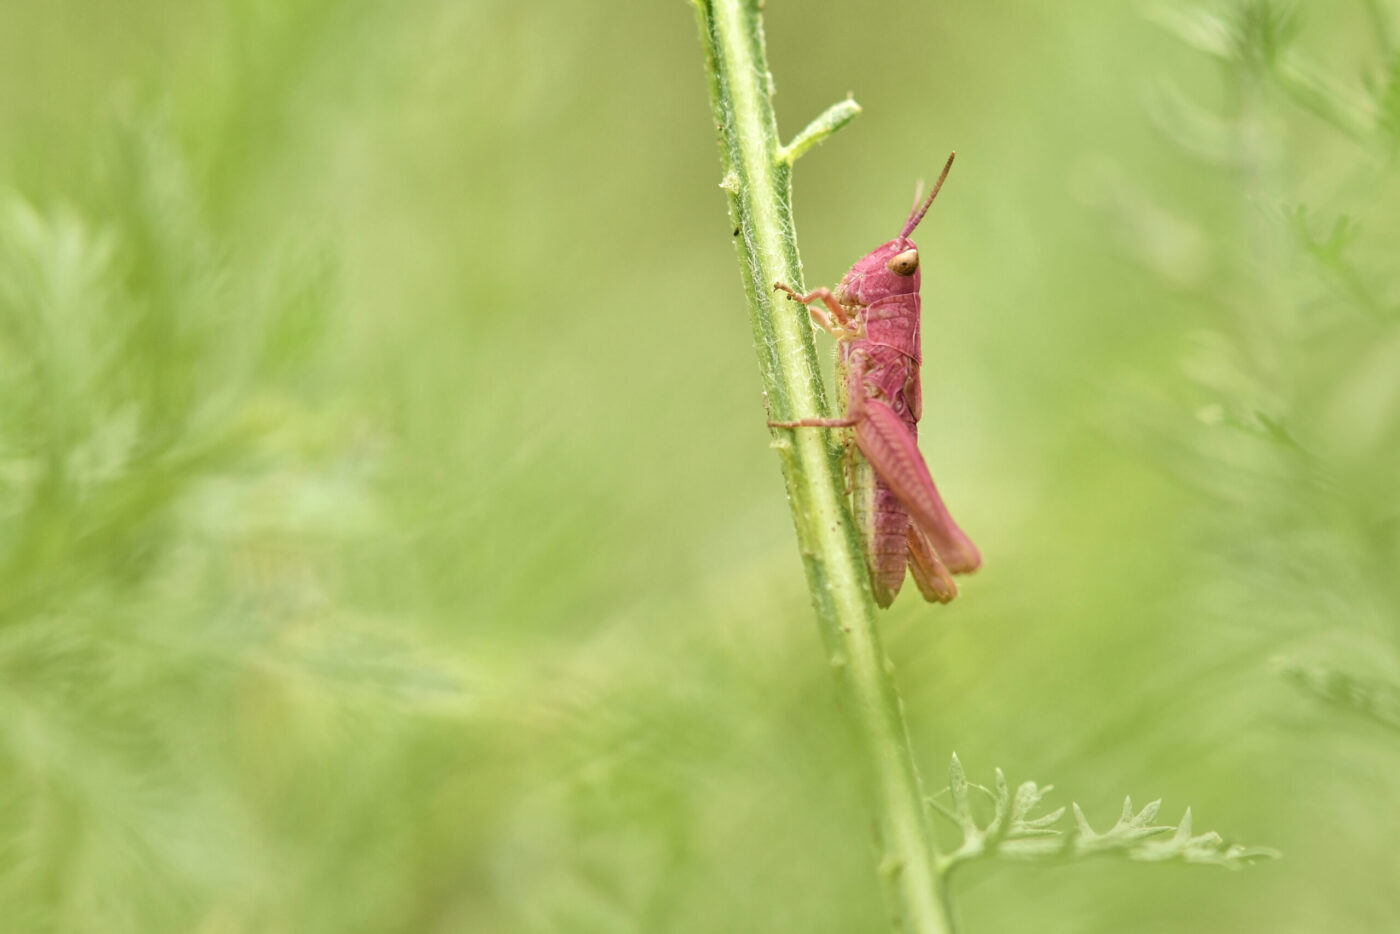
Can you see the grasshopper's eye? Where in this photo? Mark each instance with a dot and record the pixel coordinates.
(904, 264)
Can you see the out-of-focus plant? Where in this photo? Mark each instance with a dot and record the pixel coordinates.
(1297, 434)
(164, 492)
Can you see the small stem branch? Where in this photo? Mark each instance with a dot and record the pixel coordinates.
(757, 177)
(829, 121)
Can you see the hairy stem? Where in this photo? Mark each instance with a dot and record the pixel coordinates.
(757, 177)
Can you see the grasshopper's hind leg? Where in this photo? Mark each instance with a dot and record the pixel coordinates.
(891, 449)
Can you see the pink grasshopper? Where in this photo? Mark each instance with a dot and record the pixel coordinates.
(874, 316)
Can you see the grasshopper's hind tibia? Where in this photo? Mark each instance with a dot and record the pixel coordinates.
(933, 579)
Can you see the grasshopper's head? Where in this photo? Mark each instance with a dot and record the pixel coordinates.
(892, 268)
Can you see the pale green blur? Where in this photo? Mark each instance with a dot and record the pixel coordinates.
(389, 538)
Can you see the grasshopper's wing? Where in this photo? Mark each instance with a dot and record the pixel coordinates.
(893, 452)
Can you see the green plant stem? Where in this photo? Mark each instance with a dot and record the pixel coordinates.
(757, 176)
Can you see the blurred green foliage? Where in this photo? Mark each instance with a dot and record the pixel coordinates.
(388, 535)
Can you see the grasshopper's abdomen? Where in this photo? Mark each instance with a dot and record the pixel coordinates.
(884, 525)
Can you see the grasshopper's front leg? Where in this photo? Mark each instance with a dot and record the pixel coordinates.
(836, 321)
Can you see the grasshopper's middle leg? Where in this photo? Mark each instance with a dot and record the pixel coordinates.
(815, 423)
(853, 413)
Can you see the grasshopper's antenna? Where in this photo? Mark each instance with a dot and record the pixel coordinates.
(920, 210)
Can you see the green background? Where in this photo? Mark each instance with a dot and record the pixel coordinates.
(389, 539)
